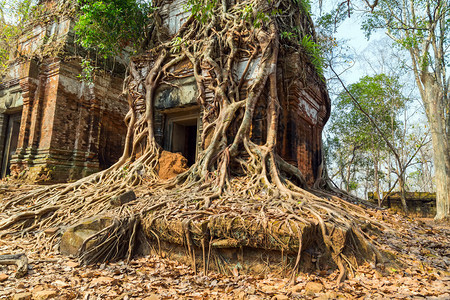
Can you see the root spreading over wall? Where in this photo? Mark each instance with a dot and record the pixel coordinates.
(238, 193)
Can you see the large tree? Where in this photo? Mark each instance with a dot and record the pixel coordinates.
(375, 129)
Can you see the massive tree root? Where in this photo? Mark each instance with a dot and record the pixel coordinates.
(233, 177)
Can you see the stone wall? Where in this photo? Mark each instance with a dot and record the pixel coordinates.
(420, 204)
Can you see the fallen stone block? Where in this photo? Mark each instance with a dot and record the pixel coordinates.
(123, 198)
(20, 260)
(74, 236)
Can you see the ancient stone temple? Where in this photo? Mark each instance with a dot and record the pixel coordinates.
(53, 126)
(304, 111)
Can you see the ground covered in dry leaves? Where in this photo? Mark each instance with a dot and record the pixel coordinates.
(421, 245)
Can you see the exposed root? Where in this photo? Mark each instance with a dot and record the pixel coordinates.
(114, 242)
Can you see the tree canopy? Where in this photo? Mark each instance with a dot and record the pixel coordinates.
(109, 26)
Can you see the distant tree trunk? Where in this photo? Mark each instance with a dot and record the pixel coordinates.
(389, 172)
(366, 185)
(376, 179)
(427, 177)
(348, 176)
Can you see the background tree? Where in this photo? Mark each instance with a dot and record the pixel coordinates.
(421, 179)
(14, 15)
(380, 96)
(376, 125)
(422, 27)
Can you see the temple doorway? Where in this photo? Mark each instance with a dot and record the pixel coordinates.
(11, 139)
(182, 134)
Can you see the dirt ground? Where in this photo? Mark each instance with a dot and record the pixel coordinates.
(421, 245)
(425, 247)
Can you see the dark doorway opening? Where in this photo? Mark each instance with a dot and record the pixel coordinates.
(184, 138)
(11, 139)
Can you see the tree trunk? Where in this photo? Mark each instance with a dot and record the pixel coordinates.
(401, 182)
(347, 179)
(432, 99)
(349, 170)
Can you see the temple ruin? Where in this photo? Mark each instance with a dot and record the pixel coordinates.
(244, 106)
(53, 126)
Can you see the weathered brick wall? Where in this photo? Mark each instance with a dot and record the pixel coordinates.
(11, 103)
(305, 108)
(63, 120)
(69, 128)
(305, 111)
